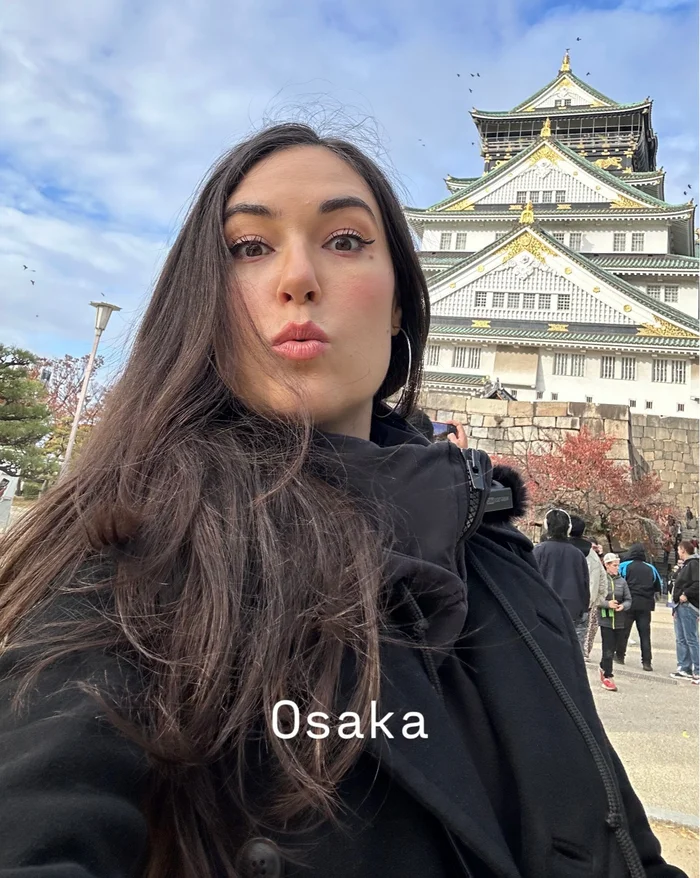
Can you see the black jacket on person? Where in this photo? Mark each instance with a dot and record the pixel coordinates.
(515, 779)
(686, 581)
(566, 569)
(643, 579)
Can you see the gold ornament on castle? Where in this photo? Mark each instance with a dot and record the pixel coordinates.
(544, 152)
(558, 327)
(481, 324)
(525, 242)
(612, 162)
(546, 128)
(527, 217)
(461, 205)
(622, 203)
(664, 329)
(565, 64)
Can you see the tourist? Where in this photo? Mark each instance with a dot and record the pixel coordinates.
(644, 581)
(597, 579)
(565, 569)
(612, 618)
(263, 626)
(685, 614)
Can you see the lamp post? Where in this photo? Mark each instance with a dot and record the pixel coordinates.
(104, 312)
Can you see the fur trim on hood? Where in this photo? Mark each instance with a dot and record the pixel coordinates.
(509, 478)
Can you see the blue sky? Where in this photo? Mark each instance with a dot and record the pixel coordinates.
(113, 111)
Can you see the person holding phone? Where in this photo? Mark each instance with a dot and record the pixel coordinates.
(274, 630)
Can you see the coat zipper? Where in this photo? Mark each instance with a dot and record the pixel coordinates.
(477, 494)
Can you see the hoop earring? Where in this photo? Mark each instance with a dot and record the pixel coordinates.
(410, 364)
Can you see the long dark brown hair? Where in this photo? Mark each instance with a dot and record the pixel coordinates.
(211, 553)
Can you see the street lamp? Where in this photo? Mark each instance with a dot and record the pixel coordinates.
(104, 312)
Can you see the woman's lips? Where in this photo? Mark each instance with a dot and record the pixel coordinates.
(306, 349)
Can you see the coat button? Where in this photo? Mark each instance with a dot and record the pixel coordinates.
(260, 858)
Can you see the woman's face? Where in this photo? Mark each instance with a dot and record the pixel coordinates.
(613, 567)
(312, 265)
(682, 554)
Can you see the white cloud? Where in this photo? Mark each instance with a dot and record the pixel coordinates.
(113, 111)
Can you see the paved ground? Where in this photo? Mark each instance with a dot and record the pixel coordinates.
(652, 722)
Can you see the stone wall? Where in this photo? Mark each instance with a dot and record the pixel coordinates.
(647, 442)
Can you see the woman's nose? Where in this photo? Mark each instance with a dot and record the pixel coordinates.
(298, 281)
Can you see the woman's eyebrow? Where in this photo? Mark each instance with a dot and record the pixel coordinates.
(341, 202)
(344, 201)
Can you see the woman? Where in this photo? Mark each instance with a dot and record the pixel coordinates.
(685, 614)
(252, 541)
(613, 605)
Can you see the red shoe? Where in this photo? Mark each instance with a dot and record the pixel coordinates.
(609, 684)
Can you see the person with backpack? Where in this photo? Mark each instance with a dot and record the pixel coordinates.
(263, 626)
(645, 583)
(685, 614)
(612, 609)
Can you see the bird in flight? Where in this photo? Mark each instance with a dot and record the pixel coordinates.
(578, 39)
(471, 91)
(588, 74)
(689, 186)
(26, 268)
(459, 74)
(479, 75)
(32, 282)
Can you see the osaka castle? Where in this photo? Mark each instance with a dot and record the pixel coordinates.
(562, 273)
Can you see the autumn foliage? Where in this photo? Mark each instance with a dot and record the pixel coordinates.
(577, 475)
(63, 392)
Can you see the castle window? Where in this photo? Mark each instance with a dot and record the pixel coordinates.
(607, 367)
(628, 369)
(432, 355)
(671, 294)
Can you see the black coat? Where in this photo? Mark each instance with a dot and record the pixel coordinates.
(71, 787)
(686, 581)
(643, 579)
(565, 568)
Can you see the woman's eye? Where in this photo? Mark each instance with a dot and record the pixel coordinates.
(346, 243)
(248, 249)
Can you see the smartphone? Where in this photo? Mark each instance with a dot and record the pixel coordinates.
(441, 430)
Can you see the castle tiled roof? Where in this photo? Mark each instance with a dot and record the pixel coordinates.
(606, 336)
(604, 176)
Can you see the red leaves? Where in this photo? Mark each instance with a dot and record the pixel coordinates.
(577, 475)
